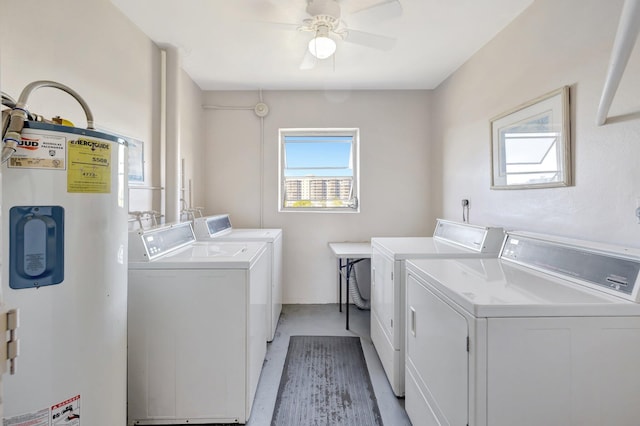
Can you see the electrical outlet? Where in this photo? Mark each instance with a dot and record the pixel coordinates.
(465, 203)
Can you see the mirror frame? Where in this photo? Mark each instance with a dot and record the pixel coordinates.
(557, 104)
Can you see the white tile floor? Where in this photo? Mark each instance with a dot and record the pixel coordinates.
(322, 320)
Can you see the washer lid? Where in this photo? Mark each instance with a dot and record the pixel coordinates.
(204, 255)
(495, 288)
(267, 235)
(450, 240)
(425, 248)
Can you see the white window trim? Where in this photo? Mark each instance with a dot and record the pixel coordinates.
(354, 133)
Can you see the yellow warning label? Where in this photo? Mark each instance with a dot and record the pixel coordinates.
(89, 166)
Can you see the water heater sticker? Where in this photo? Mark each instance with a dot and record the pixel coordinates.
(89, 168)
(37, 418)
(66, 413)
(39, 151)
(35, 247)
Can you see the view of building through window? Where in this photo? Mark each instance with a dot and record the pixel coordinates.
(318, 169)
(309, 190)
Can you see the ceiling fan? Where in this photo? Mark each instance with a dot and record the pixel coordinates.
(328, 28)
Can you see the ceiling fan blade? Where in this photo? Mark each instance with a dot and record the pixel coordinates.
(375, 41)
(271, 10)
(383, 8)
(286, 26)
(308, 62)
(267, 9)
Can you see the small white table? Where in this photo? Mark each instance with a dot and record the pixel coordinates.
(348, 254)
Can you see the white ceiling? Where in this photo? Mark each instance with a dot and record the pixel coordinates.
(254, 44)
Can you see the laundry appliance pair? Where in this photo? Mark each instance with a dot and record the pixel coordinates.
(197, 333)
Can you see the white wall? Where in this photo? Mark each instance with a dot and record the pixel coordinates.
(552, 44)
(91, 47)
(395, 156)
(192, 142)
(423, 170)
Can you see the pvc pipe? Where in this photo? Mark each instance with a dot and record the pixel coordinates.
(173, 118)
(163, 131)
(622, 46)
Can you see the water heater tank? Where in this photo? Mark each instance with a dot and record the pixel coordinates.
(64, 265)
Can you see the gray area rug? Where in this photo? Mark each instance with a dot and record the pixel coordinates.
(325, 381)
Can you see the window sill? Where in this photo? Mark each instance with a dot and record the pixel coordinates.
(318, 210)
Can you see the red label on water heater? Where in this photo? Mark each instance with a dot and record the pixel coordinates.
(39, 151)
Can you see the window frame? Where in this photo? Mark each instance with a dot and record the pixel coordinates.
(354, 133)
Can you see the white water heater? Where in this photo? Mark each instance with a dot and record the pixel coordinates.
(64, 260)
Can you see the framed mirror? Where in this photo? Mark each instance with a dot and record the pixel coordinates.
(531, 145)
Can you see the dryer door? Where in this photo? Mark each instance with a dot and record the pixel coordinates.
(437, 348)
(383, 292)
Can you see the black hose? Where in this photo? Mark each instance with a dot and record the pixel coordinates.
(8, 101)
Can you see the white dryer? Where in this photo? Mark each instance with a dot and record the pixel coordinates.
(450, 240)
(549, 334)
(196, 331)
(218, 228)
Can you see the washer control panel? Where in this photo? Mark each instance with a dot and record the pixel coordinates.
(211, 226)
(150, 244)
(610, 271)
(477, 238)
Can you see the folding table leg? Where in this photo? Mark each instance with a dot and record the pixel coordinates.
(340, 284)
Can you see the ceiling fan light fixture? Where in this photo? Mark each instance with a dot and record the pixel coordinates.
(322, 47)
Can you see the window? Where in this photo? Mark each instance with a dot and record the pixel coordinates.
(319, 170)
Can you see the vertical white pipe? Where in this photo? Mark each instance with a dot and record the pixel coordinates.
(261, 172)
(183, 190)
(622, 46)
(163, 135)
(172, 186)
(261, 168)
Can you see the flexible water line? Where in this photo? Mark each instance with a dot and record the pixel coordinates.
(8, 101)
(26, 92)
(354, 291)
(19, 114)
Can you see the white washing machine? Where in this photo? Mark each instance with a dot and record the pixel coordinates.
(549, 334)
(218, 228)
(450, 240)
(197, 334)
